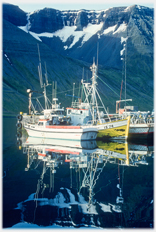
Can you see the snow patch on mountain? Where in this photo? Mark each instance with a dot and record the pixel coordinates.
(25, 28)
(115, 29)
(123, 41)
(67, 32)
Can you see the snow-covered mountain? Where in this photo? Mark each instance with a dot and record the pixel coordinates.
(76, 35)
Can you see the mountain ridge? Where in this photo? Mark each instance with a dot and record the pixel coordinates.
(66, 59)
(74, 31)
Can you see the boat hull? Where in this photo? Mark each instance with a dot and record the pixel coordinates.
(63, 132)
(141, 131)
(114, 130)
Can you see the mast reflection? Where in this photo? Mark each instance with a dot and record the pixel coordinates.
(88, 164)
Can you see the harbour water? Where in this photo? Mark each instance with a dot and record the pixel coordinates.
(55, 184)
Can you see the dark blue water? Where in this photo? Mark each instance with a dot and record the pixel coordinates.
(52, 184)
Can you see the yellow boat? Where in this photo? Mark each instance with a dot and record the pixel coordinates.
(114, 129)
(115, 150)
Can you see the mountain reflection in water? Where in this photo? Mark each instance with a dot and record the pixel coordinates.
(85, 184)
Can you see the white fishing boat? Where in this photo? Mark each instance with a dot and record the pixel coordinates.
(54, 129)
(36, 110)
(141, 122)
(51, 122)
(142, 125)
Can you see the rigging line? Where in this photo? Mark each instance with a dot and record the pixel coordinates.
(87, 94)
(39, 104)
(103, 105)
(109, 182)
(49, 101)
(57, 93)
(67, 90)
(32, 106)
(109, 87)
(118, 171)
(85, 176)
(37, 164)
(122, 179)
(102, 168)
(92, 180)
(97, 162)
(97, 107)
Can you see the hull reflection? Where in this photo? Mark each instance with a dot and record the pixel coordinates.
(81, 184)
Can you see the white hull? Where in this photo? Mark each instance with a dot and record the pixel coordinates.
(32, 141)
(63, 132)
(141, 129)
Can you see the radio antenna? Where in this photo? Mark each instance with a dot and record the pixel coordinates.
(40, 68)
(97, 54)
(46, 75)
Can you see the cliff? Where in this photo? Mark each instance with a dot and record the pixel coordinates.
(68, 42)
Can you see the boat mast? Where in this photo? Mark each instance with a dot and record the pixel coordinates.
(94, 91)
(126, 66)
(45, 96)
(94, 76)
(125, 72)
(41, 79)
(73, 93)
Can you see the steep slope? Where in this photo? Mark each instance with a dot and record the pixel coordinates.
(77, 32)
(20, 61)
(20, 72)
(14, 15)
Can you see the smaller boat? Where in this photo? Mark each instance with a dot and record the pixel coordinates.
(142, 125)
(141, 122)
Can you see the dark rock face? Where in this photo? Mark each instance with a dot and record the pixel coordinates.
(81, 20)
(116, 16)
(140, 29)
(46, 20)
(75, 34)
(135, 23)
(14, 15)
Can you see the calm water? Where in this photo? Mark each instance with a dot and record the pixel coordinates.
(53, 184)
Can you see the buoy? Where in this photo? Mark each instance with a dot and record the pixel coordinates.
(19, 134)
(19, 125)
(19, 117)
(19, 142)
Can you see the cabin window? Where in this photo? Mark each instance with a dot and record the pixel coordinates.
(40, 124)
(58, 112)
(81, 112)
(69, 111)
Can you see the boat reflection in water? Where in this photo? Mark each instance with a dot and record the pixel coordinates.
(88, 184)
